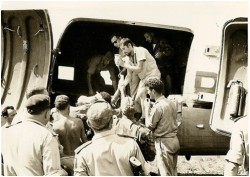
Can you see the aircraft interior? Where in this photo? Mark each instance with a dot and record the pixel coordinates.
(83, 39)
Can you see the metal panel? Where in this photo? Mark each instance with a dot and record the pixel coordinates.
(233, 67)
(195, 135)
(26, 44)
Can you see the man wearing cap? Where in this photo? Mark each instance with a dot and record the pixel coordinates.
(107, 154)
(21, 114)
(29, 148)
(69, 129)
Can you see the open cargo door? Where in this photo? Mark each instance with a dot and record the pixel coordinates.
(26, 53)
(231, 90)
(84, 38)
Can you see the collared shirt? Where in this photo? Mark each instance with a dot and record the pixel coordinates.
(29, 149)
(107, 155)
(162, 118)
(21, 113)
(149, 68)
(239, 146)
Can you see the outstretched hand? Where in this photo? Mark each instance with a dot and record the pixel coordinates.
(119, 62)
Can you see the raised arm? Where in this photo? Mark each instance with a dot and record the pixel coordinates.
(136, 68)
(129, 66)
(127, 79)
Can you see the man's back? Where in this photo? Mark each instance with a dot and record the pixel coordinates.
(25, 147)
(107, 155)
(97, 64)
(164, 118)
(69, 130)
(125, 127)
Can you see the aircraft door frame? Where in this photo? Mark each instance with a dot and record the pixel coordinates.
(231, 88)
(26, 46)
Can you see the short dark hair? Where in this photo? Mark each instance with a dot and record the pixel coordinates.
(150, 33)
(155, 83)
(5, 111)
(35, 91)
(115, 34)
(61, 106)
(126, 41)
(62, 102)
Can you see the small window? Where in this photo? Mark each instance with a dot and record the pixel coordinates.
(66, 73)
(207, 82)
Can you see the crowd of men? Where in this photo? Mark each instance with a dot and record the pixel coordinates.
(94, 138)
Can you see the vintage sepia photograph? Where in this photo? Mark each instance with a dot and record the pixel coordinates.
(124, 88)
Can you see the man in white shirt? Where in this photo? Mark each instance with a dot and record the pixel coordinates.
(143, 64)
